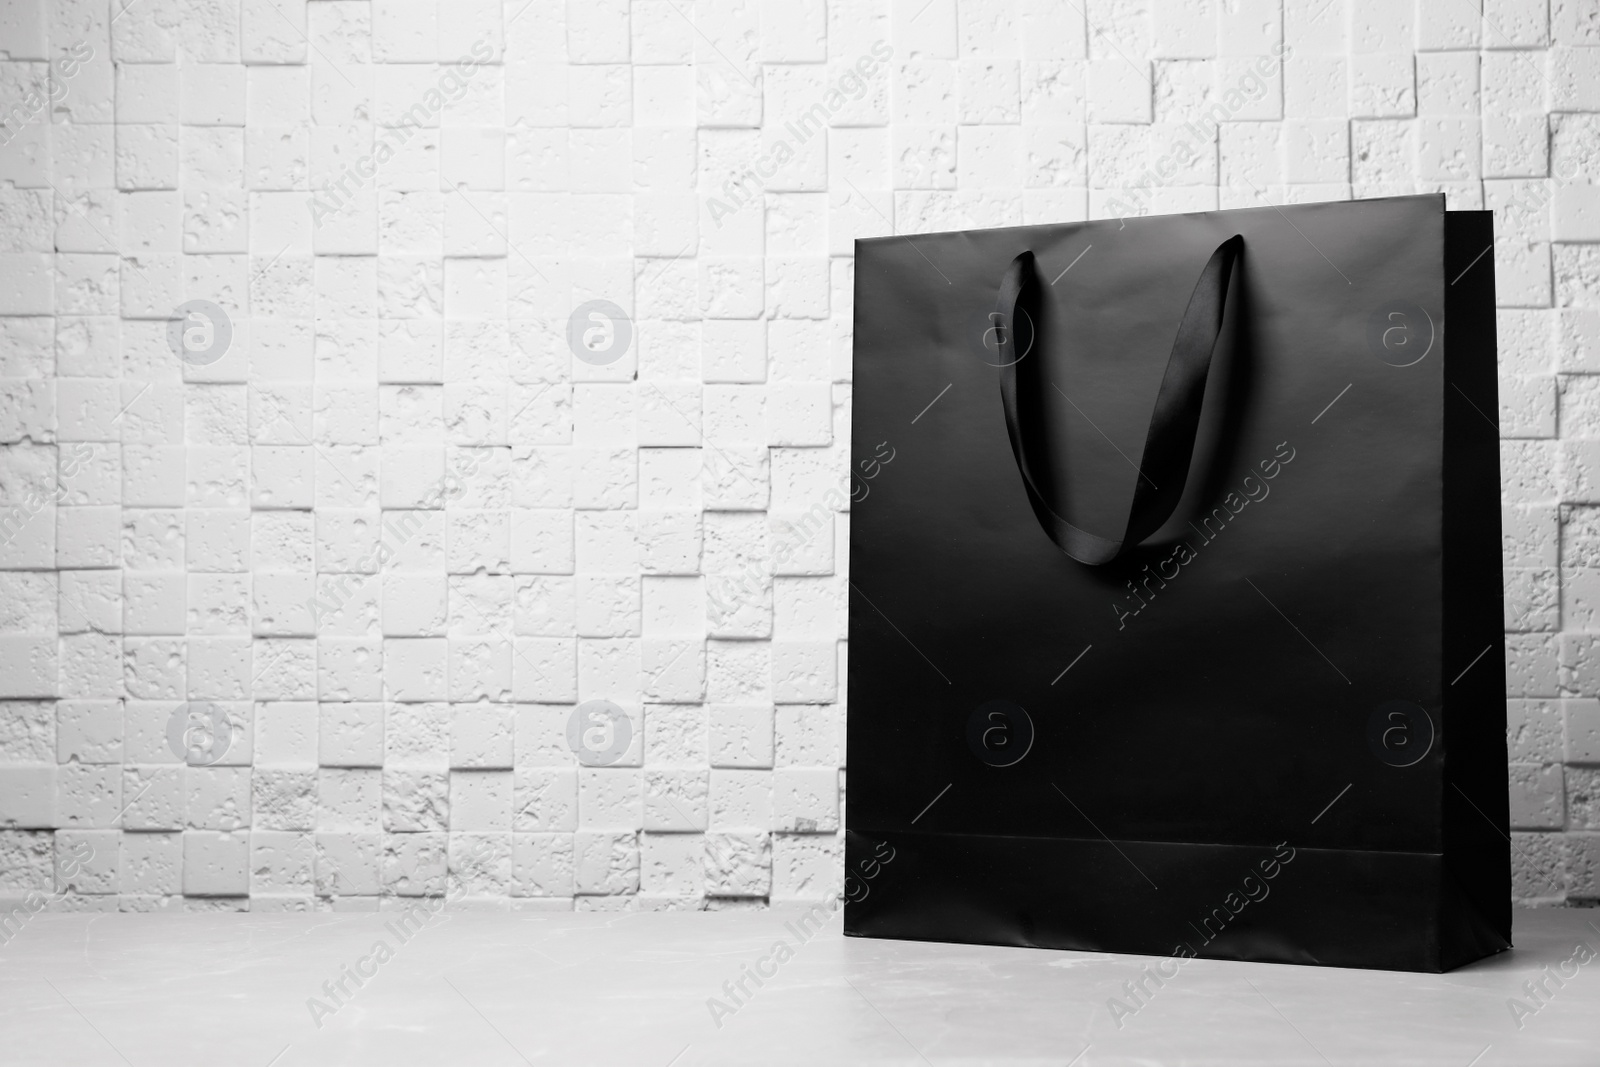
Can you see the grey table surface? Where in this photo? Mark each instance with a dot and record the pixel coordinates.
(659, 989)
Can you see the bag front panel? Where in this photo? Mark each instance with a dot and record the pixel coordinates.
(1220, 683)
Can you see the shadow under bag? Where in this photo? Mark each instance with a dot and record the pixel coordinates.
(1176, 617)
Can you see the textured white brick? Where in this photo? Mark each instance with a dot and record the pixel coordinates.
(28, 796)
(27, 665)
(740, 735)
(1537, 800)
(805, 867)
(480, 800)
(215, 864)
(347, 863)
(416, 668)
(1382, 85)
(1118, 90)
(738, 863)
(480, 737)
(803, 672)
(543, 864)
(350, 735)
(151, 863)
(806, 799)
(281, 862)
(605, 862)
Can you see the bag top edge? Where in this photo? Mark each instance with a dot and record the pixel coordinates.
(1439, 198)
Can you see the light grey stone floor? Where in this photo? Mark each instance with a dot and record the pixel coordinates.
(648, 990)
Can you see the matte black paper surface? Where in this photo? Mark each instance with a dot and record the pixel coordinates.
(1272, 729)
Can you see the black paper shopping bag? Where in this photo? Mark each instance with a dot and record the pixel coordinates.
(1175, 607)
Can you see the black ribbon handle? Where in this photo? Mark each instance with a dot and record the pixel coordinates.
(1169, 444)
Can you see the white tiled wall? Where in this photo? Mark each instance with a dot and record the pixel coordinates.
(395, 530)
